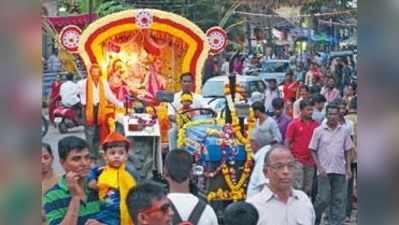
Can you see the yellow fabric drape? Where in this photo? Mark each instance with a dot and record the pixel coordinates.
(89, 101)
(102, 103)
(120, 179)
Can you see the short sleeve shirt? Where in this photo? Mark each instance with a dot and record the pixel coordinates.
(330, 146)
(300, 132)
(298, 209)
(267, 132)
(282, 123)
(56, 202)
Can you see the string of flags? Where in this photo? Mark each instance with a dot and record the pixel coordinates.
(299, 16)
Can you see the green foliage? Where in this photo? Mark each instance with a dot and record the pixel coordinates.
(110, 7)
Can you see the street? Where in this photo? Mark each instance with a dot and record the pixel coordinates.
(53, 136)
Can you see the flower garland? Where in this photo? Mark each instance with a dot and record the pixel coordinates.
(237, 191)
(181, 136)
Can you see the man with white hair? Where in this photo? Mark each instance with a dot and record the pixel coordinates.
(256, 97)
(257, 180)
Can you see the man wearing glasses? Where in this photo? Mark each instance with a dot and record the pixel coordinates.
(148, 205)
(278, 202)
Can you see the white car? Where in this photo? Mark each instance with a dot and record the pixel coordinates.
(274, 69)
(213, 89)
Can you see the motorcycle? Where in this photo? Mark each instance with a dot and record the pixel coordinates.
(65, 117)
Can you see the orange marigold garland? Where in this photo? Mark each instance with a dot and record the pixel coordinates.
(237, 191)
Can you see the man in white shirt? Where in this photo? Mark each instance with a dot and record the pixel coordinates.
(225, 67)
(53, 62)
(92, 131)
(271, 92)
(186, 80)
(178, 169)
(69, 92)
(258, 179)
(279, 203)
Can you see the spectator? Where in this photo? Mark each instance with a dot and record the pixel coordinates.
(49, 178)
(257, 180)
(256, 97)
(347, 71)
(318, 108)
(69, 202)
(225, 66)
(240, 213)
(209, 69)
(53, 62)
(314, 72)
(280, 117)
(148, 205)
(54, 97)
(271, 92)
(330, 146)
(342, 110)
(278, 202)
(304, 94)
(113, 181)
(69, 92)
(289, 107)
(186, 206)
(330, 92)
(266, 129)
(290, 86)
(338, 74)
(317, 85)
(349, 93)
(352, 116)
(299, 134)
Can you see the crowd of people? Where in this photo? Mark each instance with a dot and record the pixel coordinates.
(317, 122)
(305, 161)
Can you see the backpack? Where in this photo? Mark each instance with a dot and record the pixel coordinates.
(194, 217)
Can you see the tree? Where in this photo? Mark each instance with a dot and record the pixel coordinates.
(103, 7)
(109, 7)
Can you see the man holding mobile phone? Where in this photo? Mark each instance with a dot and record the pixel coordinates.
(70, 202)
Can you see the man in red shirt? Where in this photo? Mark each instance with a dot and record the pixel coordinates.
(290, 86)
(299, 134)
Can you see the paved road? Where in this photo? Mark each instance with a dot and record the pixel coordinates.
(353, 220)
(53, 136)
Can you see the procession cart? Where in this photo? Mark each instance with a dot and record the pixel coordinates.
(223, 157)
(142, 52)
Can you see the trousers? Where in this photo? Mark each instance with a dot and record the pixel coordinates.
(332, 194)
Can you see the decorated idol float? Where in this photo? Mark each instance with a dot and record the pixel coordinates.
(142, 53)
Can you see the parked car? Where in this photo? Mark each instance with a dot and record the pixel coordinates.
(213, 89)
(274, 69)
(271, 69)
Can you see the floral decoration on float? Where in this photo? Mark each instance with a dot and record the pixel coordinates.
(230, 138)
